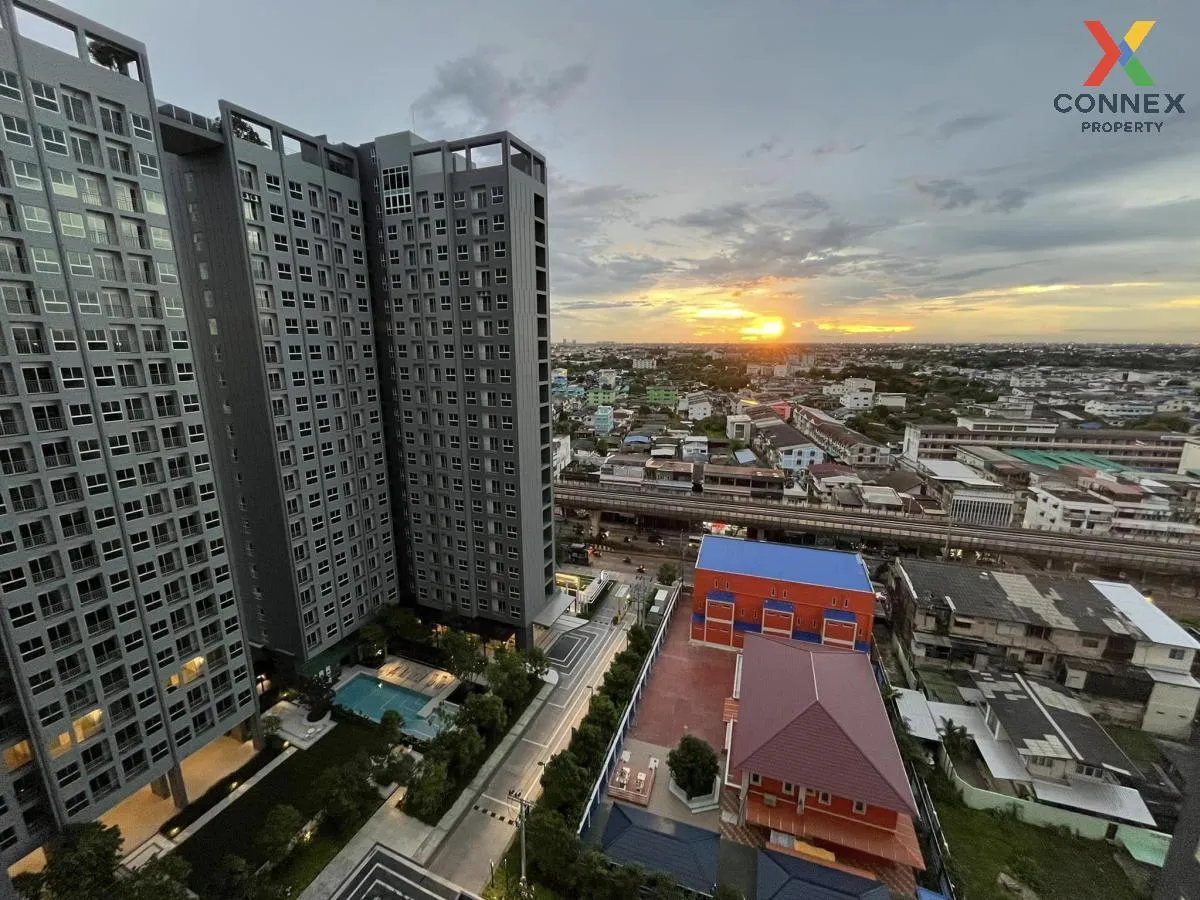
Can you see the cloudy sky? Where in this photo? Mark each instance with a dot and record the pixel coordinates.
(769, 169)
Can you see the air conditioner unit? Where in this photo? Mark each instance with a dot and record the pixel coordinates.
(769, 799)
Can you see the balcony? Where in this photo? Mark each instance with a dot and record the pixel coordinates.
(70, 496)
(141, 276)
(13, 265)
(41, 385)
(99, 235)
(27, 346)
(41, 577)
(59, 460)
(63, 643)
(73, 674)
(17, 466)
(83, 563)
(50, 423)
(88, 597)
(37, 539)
(9, 224)
(135, 241)
(129, 204)
(27, 504)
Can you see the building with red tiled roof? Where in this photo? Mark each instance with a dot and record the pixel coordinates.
(813, 760)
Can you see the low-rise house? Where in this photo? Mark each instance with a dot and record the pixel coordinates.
(624, 469)
(842, 443)
(785, 446)
(967, 496)
(1103, 639)
(561, 454)
(602, 420)
(672, 474)
(813, 761)
(739, 427)
(694, 448)
(826, 477)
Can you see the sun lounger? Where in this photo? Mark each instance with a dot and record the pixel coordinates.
(641, 782)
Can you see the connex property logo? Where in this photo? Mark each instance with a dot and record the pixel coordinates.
(1118, 113)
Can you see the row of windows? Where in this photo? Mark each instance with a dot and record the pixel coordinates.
(252, 212)
(248, 179)
(480, 278)
(106, 266)
(483, 252)
(396, 187)
(76, 106)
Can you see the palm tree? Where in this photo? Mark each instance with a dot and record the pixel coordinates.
(957, 740)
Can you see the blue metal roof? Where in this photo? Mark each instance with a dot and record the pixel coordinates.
(687, 853)
(784, 562)
(784, 877)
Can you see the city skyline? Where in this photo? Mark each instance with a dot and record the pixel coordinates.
(923, 189)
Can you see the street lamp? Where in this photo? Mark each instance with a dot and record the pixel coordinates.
(591, 693)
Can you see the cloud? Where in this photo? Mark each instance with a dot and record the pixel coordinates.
(964, 124)
(475, 94)
(1009, 200)
(863, 328)
(948, 193)
(771, 147)
(834, 148)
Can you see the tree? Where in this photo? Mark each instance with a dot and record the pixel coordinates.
(508, 678)
(463, 656)
(316, 695)
(553, 847)
(278, 831)
(347, 794)
(271, 726)
(244, 130)
(372, 640)
(402, 624)
(603, 713)
(667, 574)
(397, 768)
(957, 740)
(391, 729)
(619, 681)
(725, 892)
(233, 879)
(81, 865)
(486, 712)
(588, 744)
(538, 662)
(467, 748)
(428, 792)
(694, 765)
(565, 784)
(163, 878)
(640, 640)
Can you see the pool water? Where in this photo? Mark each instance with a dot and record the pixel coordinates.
(372, 697)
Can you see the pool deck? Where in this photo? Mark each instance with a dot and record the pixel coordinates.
(436, 684)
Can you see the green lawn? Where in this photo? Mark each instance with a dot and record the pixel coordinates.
(508, 877)
(1138, 745)
(291, 782)
(1053, 864)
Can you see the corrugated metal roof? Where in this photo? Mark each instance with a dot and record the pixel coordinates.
(813, 715)
(784, 562)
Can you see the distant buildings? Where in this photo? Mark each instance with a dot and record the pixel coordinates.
(843, 444)
(602, 420)
(967, 497)
(602, 396)
(658, 395)
(1144, 449)
(1103, 639)
(643, 363)
(800, 593)
(785, 446)
(607, 378)
(696, 405)
(1117, 410)
(814, 763)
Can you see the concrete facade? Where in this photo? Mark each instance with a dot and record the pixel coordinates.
(459, 265)
(275, 253)
(122, 644)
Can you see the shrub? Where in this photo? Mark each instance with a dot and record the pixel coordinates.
(694, 765)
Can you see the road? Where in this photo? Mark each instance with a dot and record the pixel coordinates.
(580, 657)
(1136, 555)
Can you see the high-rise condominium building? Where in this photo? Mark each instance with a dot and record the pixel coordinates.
(457, 237)
(274, 256)
(122, 651)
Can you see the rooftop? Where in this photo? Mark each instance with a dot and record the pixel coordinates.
(633, 836)
(1070, 602)
(784, 877)
(1042, 718)
(814, 716)
(784, 562)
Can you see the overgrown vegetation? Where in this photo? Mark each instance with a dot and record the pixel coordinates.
(1052, 862)
(694, 766)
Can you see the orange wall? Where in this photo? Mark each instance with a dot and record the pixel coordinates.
(809, 602)
(842, 807)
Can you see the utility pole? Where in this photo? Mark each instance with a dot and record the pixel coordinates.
(521, 817)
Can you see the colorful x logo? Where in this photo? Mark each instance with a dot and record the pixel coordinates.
(1122, 53)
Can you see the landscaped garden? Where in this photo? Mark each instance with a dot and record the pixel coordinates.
(329, 776)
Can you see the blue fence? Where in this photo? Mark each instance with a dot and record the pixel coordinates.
(630, 716)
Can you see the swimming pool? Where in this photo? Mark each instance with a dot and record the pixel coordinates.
(371, 697)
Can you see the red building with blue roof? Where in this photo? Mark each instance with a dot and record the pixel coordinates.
(801, 593)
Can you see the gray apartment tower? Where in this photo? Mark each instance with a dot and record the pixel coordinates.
(121, 645)
(457, 234)
(273, 250)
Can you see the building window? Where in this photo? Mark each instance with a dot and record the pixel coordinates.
(755, 779)
(788, 788)
(1177, 653)
(824, 799)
